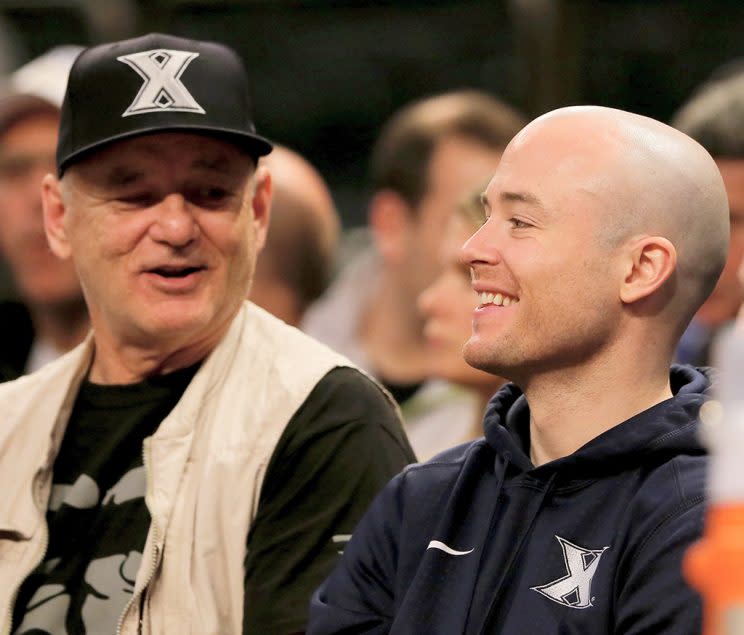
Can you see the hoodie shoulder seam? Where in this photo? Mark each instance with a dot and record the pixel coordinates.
(672, 433)
(431, 464)
(678, 511)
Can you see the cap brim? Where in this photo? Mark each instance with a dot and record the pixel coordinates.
(255, 145)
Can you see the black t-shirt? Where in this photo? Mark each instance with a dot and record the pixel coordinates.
(337, 451)
(97, 516)
(402, 392)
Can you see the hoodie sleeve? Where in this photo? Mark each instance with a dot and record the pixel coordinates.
(654, 597)
(358, 596)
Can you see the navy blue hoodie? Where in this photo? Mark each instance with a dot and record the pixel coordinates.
(480, 541)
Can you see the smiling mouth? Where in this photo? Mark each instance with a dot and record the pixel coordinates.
(498, 299)
(175, 272)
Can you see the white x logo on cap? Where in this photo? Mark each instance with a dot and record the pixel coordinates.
(163, 90)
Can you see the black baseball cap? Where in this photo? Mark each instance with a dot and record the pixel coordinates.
(155, 83)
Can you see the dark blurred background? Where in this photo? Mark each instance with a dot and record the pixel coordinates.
(327, 74)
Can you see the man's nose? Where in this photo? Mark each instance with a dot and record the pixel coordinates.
(483, 247)
(175, 223)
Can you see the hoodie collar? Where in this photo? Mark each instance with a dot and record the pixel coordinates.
(668, 428)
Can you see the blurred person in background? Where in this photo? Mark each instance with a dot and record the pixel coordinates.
(447, 305)
(50, 317)
(714, 117)
(195, 465)
(428, 157)
(297, 260)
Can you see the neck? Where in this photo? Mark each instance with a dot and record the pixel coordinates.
(63, 326)
(118, 361)
(391, 332)
(570, 407)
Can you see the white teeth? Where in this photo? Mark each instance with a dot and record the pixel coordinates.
(497, 299)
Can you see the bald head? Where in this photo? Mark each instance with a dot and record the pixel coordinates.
(648, 179)
(296, 263)
(294, 176)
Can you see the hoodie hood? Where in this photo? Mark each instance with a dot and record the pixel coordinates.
(666, 429)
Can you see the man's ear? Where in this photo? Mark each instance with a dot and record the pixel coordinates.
(54, 208)
(261, 204)
(390, 219)
(650, 262)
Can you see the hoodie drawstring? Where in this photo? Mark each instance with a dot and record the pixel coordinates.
(546, 491)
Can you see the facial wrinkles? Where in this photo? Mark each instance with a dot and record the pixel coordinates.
(124, 239)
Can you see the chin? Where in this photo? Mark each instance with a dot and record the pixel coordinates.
(475, 355)
(178, 323)
(487, 361)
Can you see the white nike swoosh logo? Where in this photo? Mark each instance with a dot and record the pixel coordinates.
(436, 544)
(342, 539)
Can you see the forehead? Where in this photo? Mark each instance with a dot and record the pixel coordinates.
(167, 152)
(552, 164)
(565, 147)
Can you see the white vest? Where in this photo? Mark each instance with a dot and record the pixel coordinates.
(205, 466)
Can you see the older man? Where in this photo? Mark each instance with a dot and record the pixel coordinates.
(195, 466)
(606, 231)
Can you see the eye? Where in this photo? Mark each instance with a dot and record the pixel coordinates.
(139, 199)
(518, 223)
(210, 196)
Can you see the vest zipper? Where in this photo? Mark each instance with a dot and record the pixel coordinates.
(8, 621)
(136, 597)
(155, 553)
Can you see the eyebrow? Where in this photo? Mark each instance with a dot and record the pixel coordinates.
(225, 167)
(521, 197)
(513, 197)
(120, 175)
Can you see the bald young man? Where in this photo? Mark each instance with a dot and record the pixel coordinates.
(606, 231)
